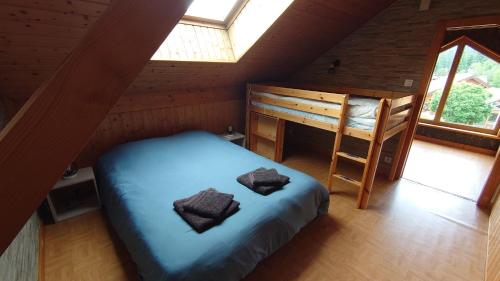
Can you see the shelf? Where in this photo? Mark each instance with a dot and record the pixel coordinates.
(266, 148)
(265, 136)
(85, 174)
(74, 196)
(264, 126)
(73, 213)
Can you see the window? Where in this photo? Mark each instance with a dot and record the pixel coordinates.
(465, 89)
(220, 31)
(210, 11)
(439, 77)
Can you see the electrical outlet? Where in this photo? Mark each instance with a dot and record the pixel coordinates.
(388, 160)
(408, 83)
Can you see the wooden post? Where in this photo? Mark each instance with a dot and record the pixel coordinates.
(248, 131)
(449, 82)
(57, 121)
(338, 141)
(373, 155)
(399, 147)
(419, 99)
(493, 254)
(491, 185)
(280, 138)
(397, 155)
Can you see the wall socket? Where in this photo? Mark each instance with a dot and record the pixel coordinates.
(408, 83)
(388, 159)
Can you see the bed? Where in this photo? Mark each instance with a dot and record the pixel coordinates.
(140, 180)
(373, 116)
(361, 113)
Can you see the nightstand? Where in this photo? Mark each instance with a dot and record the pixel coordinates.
(74, 196)
(235, 137)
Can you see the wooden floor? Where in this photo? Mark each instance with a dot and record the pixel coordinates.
(409, 232)
(449, 169)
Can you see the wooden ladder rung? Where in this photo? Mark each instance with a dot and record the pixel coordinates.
(347, 179)
(352, 157)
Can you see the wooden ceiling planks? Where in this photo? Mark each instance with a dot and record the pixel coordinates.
(35, 15)
(74, 7)
(55, 124)
(307, 29)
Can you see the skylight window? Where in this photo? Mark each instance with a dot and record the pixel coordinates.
(220, 30)
(211, 10)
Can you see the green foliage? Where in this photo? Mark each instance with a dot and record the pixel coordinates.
(488, 68)
(472, 62)
(466, 104)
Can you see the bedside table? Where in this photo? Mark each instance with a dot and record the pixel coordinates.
(235, 137)
(74, 196)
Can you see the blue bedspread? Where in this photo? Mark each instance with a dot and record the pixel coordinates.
(140, 180)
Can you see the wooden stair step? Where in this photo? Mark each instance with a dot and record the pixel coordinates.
(352, 157)
(266, 136)
(347, 179)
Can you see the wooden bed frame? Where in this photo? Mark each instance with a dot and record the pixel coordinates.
(265, 127)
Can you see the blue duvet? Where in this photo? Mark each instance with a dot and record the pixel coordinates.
(140, 180)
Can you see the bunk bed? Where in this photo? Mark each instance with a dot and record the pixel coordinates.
(373, 116)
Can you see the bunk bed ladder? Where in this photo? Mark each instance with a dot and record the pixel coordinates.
(337, 143)
(369, 163)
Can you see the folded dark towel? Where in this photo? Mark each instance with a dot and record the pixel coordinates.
(264, 189)
(199, 223)
(262, 177)
(209, 203)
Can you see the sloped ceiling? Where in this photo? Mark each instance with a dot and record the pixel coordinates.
(36, 36)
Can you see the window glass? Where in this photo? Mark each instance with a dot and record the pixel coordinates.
(436, 87)
(212, 10)
(474, 98)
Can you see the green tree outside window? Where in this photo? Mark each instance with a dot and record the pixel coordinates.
(466, 104)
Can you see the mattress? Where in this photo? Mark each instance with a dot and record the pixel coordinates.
(361, 113)
(140, 180)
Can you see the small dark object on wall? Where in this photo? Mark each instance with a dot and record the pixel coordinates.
(70, 172)
(333, 66)
(230, 130)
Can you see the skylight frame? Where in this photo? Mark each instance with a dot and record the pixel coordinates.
(201, 42)
(238, 6)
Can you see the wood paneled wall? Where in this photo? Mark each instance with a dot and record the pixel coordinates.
(10, 108)
(493, 258)
(3, 113)
(36, 35)
(137, 117)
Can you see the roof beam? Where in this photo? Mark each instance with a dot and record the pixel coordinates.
(57, 121)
